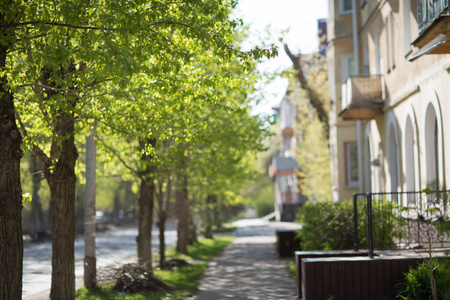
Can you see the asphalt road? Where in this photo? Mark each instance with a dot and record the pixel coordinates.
(112, 247)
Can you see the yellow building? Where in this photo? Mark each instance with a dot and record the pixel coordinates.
(389, 74)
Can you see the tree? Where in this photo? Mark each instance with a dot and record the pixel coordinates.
(11, 241)
(37, 222)
(67, 55)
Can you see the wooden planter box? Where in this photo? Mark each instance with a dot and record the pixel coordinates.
(349, 278)
(300, 255)
(287, 243)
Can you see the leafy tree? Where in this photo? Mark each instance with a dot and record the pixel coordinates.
(11, 241)
(69, 54)
(64, 55)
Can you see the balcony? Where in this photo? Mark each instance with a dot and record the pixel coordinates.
(434, 27)
(362, 98)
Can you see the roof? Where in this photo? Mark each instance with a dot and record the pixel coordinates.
(283, 164)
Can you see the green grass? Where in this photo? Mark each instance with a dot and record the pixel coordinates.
(225, 229)
(184, 280)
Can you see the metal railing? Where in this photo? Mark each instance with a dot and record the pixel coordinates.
(428, 11)
(404, 220)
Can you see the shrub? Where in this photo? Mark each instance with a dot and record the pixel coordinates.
(329, 225)
(326, 225)
(264, 203)
(417, 282)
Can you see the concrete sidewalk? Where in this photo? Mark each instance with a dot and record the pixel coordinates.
(249, 268)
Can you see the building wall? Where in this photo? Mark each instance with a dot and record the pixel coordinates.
(339, 51)
(396, 146)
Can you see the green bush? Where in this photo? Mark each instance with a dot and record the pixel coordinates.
(417, 282)
(326, 225)
(329, 225)
(264, 203)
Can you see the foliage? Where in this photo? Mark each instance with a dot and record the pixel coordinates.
(326, 225)
(184, 279)
(417, 284)
(224, 229)
(292, 269)
(434, 223)
(329, 225)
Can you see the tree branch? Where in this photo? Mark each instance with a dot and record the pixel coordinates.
(40, 155)
(114, 152)
(314, 98)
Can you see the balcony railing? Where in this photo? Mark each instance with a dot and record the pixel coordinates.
(361, 98)
(428, 11)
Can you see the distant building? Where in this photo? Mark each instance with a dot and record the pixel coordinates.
(284, 168)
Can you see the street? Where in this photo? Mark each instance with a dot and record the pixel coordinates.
(112, 247)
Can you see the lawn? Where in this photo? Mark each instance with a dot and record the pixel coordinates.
(184, 280)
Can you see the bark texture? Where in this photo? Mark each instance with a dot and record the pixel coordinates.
(209, 216)
(37, 222)
(144, 239)
(146, 205)
(182, 215)
(11, 241)
(163, 212)
(62, 199)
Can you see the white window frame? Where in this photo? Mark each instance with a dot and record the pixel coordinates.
(349, 169)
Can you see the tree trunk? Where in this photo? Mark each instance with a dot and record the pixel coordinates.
(218, 214)
(146, 205)
(208, 217)
(144, 239)
(182, 215)
(62, 181)
(37, 216)
(11, 240)
(162, 239)
(163, 211)
(192, 233)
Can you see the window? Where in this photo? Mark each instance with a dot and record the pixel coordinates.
(347, 67)
(345, 6)
(390, 48)
(366, 64)
(378, 61)
(351, 164)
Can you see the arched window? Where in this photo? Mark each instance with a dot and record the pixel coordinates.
(393, 159)
(392, 150)
(410, 160)
(432, 149)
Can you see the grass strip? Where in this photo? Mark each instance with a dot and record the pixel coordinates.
(184, 279)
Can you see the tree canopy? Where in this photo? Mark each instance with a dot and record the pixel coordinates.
(142, 71)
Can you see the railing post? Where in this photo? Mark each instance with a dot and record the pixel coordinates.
(355, 223)
(369, 224)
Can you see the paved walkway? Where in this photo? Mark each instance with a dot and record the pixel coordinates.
(249, 268)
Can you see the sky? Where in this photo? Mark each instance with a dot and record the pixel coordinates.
(300, 17)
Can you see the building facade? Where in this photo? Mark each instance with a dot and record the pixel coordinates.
(284, 167)
(389, 74)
